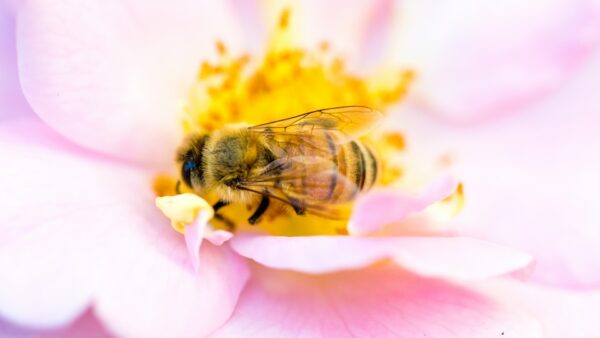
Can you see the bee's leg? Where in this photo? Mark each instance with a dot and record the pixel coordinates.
(297, 205)
(178, 187)
(262, 207)
(219, 205)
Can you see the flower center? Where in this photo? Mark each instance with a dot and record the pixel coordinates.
(287, 81)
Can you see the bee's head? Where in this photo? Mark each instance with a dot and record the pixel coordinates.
(190, 160)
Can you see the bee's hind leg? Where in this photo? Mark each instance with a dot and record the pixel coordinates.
(298, 206)
(262, 207)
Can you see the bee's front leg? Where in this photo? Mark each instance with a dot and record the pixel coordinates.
(262, 207)
(219, 205)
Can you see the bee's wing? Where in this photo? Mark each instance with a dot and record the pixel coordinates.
(306, 174)
(352, 121)
(305, 182)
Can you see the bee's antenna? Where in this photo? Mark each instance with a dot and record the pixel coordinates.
(177, 186)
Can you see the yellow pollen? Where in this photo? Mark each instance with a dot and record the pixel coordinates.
(396, 140)
(285, 81)
(284, 19)
(324, 46)
(182, 209)
(221, 48)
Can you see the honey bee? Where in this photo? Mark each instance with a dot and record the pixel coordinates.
(312, 162)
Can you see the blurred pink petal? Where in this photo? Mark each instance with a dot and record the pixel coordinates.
(12, 101)
(561, 313)
(376, 302)
(531, 180)
(87, 326)
(80, 230)
(254, 29)
(162, 299)
(111, 75)
(376, 36)
(454, 258)
(386, 206)
(475, 58)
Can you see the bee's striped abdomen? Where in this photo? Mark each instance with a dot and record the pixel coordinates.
(355, 170)
(333, 150)
(362, 165)
(373, 172)
(360, 172)
(332, 169)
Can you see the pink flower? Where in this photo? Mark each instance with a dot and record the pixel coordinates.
(534, 180)
(82, 242)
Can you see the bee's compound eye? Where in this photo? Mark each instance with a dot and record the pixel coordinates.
(186, 171)
(189, 165)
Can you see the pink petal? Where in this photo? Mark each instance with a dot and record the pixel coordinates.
(45, 283)
(376, 302)
(376, 36)
(561, 313)
(111, 75)
(218, 237)
(255, 29)
(458, 258)
(163, 299)
(193, 239)
(87, 326)
(80, 230)
(12, 101)
(475, 59)
(383, 207)
(531, 180)
(194, 233)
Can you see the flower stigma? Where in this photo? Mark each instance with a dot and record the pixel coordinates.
(287, 80)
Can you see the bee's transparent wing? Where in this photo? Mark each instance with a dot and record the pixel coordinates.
(351, 121)
(305, 173)
(307, 183)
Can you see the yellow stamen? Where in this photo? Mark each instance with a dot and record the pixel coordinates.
(182, 209)
(288, 80)
(450, 206)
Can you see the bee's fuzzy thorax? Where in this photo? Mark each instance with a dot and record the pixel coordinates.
(229, 156)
